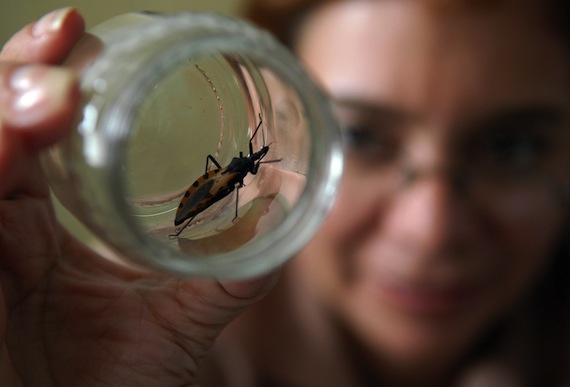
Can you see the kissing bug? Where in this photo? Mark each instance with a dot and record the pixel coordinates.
(216, 184)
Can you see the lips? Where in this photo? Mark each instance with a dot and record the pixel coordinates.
(427, 298)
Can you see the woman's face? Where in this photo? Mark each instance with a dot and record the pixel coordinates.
(457, 132)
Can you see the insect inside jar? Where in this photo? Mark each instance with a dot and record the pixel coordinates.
(216, 184)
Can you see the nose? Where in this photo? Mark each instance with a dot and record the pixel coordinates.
(430, 215)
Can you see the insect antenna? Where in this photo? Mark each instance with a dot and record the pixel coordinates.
(263, 134)
(270, 161)
(253, 135)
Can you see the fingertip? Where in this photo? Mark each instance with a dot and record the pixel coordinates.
(64, 19)
(49, 40)
(252, 289)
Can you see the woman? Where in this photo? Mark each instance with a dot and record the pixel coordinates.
(457, 122)
(443, 261)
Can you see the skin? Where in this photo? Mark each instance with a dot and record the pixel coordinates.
(405, 279)
(68, 317)
(417, 274)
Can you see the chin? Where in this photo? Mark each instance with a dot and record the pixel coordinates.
(411, 334)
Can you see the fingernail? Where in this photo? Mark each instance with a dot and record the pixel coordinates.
(51, 22)
(37, 91)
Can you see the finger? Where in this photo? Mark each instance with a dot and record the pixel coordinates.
(37, 105)
(37, 102)
(48, 40)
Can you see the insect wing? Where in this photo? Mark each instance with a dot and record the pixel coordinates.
(199, 191)
(205, 191)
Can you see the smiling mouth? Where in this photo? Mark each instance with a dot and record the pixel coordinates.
(428, 299)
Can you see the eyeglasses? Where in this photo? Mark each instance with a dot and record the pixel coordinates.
(524, 159)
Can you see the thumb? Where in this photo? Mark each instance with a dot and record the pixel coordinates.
(217, 303)
(252, 289)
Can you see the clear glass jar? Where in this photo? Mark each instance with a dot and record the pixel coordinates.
(161, 92)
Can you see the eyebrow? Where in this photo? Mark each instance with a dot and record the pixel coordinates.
(543, 115)
(377, 110)
(526, 115)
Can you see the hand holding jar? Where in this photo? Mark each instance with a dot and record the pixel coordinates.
(68, 317)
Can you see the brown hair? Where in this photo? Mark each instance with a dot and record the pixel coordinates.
(282, 17)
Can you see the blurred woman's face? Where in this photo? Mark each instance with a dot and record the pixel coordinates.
(458, 143)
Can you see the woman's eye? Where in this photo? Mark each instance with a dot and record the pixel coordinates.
(356, 137)
(517, 148)
(372, 145)
(512, 151)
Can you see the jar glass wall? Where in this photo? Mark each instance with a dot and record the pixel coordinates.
(166, 97)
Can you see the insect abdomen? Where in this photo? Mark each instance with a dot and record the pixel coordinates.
(190, 203)
(204, 192)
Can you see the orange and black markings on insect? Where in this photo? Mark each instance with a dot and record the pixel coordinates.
(218, 183)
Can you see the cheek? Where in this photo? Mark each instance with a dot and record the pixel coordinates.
(528, 228)
(353, 216)
(329, 256)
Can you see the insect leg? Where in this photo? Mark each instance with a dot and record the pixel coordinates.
(212, 159)
(253, 135)
(172, 236)
(240, 185)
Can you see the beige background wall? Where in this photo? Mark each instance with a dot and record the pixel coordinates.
(14, 14)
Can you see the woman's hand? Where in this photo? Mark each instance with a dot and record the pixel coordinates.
(67, 316)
